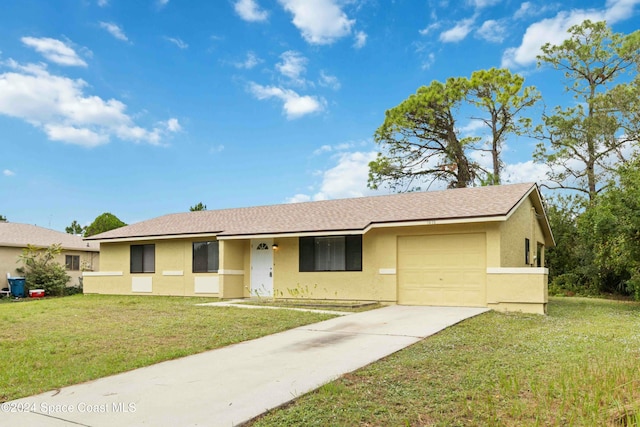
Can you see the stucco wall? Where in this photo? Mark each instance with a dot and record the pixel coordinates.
(506, 289)
(173, 271)
(521, 225)
(378, 278)
(9, 258)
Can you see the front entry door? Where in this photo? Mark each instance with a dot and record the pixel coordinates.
(261, 268)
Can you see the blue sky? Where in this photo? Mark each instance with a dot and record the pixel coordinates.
(142, 108)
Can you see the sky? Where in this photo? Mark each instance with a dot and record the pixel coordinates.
(144, 108)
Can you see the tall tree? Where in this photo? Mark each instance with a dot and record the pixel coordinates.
(612, 226)
(75, 228)
(198, 207)
(579, 142)
(102, 223)
(500, 97)
(421, 143)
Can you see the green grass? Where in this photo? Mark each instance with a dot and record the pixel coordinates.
(578, 366)
(50, 343)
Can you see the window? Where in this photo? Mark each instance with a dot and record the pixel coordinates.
(331, 253)
(539, 253)
(205, 257)
(72, 262)
(143, 258)
(527, 251)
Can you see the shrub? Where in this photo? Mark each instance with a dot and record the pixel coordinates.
(41, 271)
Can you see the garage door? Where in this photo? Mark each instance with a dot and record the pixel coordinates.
(442, 270)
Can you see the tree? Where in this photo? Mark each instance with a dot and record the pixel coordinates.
(42, 271)
(75, 228)
(102, 223)
(421, 142)
(3, 218)
(198, 207)
(579, 142)
(612, 224)
(502, 97)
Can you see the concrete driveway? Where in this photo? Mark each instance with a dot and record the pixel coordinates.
(231, 385)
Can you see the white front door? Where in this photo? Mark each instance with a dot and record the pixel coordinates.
(261, 268)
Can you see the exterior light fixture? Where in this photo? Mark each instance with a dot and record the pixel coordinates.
(274, 247)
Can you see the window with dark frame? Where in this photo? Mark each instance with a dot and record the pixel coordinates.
(143, 258)
(527, 251)
(205, 257)
(72, 262)
(331, 253)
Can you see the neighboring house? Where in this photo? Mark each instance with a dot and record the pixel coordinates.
(77, 254)
(463, 247)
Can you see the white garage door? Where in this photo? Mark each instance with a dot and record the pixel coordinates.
(442, 270)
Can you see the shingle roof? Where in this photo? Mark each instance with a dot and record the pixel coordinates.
(332, 215)
(20, 235)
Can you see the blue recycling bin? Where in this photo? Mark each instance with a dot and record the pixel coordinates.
(17, 286)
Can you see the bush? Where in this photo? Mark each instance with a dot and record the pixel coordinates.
(42, 272)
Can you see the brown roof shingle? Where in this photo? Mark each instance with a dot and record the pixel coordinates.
(20, 235)
(332, 215)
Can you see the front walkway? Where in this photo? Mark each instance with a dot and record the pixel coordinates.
(234, 384)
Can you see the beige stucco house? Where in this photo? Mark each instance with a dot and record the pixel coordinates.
(479, 247)
(77, 255)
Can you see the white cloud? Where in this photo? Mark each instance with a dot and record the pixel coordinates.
(492, 31)
(431, 27)
(178, 42)
(114, 30)
(327, 80)
(524, 10)
(324, 149)
(8, 172)
(458, 32)
(361, 39)
(293, 65)
(348, 178)
(471, 127)
(216, 149)
(479, 4)
(428, 61)
(250, 11)
(528, 171)
(59, 106)
(103, 3)
(54, 50)
(294, 106)
(251, 61)
(299, 198)
(173, 125)
(162, 3)
(320, 21)
(554, 30)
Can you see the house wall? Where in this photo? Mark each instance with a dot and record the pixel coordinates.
(9, 257)
(378, 278)
(173, 271)
(522, 224)
(511, 285)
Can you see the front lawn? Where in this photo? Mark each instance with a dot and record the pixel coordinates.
(578, 366)
(51, 343)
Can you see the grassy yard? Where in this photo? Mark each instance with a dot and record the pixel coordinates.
(50, 343)
(579, 366)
